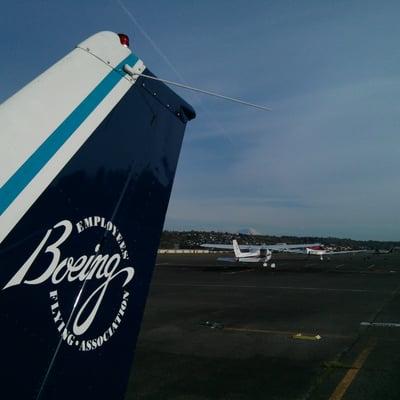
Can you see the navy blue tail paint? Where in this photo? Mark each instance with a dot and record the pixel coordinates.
(75, 271)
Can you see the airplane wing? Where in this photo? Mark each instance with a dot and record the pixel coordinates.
(273, 247)
(87, 161)
(295, 251)
(325, 253)
(285, 247)
(332, 253)
(217, 246)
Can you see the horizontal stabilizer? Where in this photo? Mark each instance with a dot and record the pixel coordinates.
(227, 259)
(242, 260)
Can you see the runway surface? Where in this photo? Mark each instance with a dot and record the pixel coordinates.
(306, 330)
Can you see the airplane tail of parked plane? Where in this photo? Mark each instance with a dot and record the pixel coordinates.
(88, 157)
(236, 249)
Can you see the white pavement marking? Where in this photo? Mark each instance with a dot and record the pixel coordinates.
(340, 265)
(381, 324)
(272, 287)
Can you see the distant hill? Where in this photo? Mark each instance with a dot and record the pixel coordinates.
(193, 240)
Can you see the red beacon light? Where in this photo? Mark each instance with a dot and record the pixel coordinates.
(124, 39)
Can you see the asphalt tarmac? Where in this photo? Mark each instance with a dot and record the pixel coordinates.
(305, 330)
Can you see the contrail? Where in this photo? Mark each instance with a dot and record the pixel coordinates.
(151, 41)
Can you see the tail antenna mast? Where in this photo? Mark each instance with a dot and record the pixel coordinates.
(130, 71)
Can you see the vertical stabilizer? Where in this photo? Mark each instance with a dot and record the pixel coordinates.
(88, 157)
(236, 249)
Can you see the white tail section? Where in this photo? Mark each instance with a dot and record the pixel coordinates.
(236, 249)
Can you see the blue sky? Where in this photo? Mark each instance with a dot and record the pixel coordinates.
(325, 161)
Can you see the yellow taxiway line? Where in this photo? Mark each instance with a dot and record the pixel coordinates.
(306, 337)
(347, 380)
(292, 334)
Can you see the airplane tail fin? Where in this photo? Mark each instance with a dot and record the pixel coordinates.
(88, 157)
(236, 249)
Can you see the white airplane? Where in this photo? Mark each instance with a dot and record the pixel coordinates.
(322, 252)
(263, 253)
(258, 253)
(253, 256)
